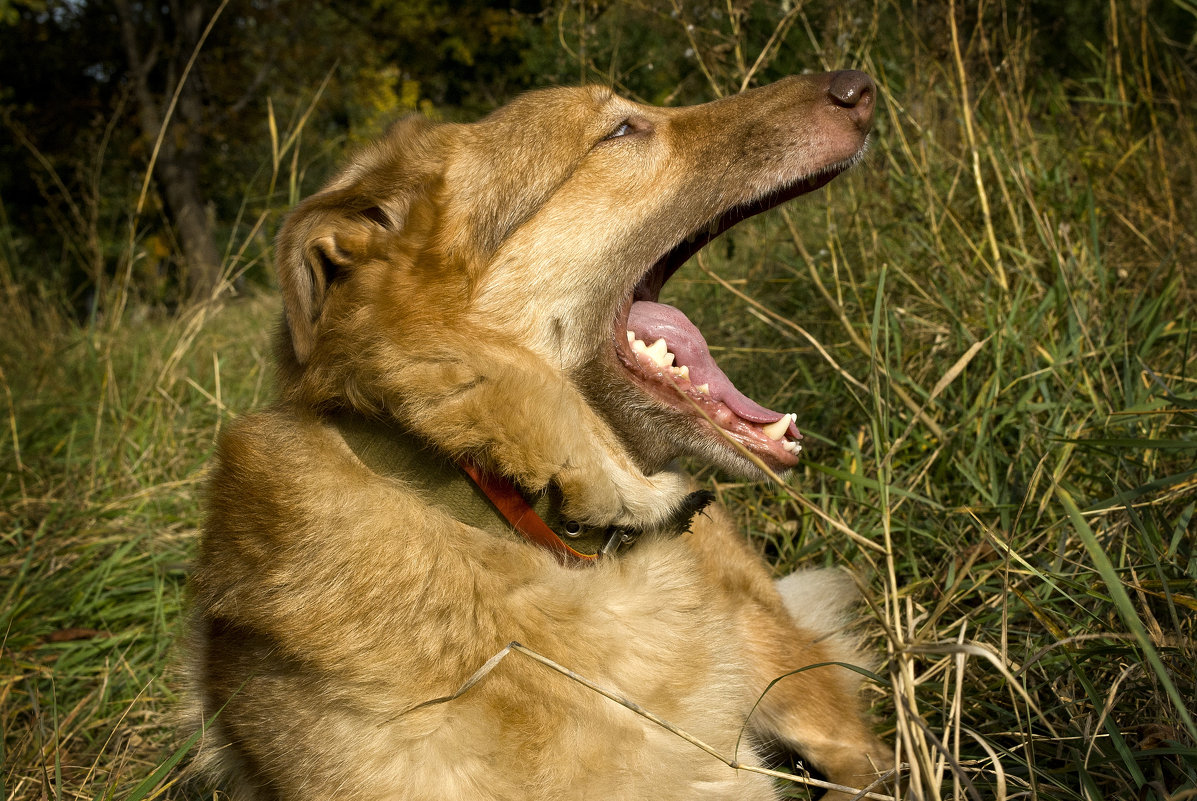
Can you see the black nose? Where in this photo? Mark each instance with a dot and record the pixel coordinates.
(855, 92)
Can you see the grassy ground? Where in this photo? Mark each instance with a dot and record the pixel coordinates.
(986, 331)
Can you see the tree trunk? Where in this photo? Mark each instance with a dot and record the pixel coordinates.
(177, 167)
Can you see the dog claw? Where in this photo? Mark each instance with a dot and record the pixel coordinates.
(675, 524)
(682, 518)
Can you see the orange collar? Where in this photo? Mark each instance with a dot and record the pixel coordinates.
(474, 496)
(516, 510)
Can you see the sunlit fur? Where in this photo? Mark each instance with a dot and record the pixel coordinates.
(463, 282)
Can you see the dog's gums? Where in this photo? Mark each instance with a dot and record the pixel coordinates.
(677, 368)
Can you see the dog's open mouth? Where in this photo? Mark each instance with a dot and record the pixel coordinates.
(668, 357)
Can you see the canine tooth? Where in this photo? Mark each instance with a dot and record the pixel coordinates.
(705, 389)
(776, 431)
(658, 352)
(631, 337)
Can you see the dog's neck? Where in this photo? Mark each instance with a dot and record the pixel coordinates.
(476, 497)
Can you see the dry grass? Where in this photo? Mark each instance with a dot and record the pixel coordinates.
(986, 332)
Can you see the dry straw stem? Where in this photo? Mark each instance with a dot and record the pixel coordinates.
(126, 281)
(16, 439)
(688, 29)
(192, 321)
(996, 267)
(700, 259)
(920, 410)
(229, 274)
(943, 383)
(962, 649)
(170, 111)
(770, 49)
(624, 701)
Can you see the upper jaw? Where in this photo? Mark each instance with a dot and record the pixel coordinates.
(679, 252)
(666, 358)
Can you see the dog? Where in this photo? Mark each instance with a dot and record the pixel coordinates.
(481, 408)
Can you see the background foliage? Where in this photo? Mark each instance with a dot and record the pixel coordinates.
(986, 331)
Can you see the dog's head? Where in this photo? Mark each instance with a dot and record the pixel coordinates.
(551, 225)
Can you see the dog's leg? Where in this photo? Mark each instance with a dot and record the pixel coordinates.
(817, 712)
(515, 412)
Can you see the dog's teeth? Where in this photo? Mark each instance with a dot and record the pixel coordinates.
(631, 337)
(681, 372)
(776, 431)
(659, 353)
(792, 446)
(638, 346)
(705, 389)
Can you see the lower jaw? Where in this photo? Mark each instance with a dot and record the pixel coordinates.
(704, 417)
(725, 439)
(660, 422)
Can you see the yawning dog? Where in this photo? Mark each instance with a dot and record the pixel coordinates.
(482, 404)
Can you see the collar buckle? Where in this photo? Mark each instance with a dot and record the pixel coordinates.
(618, 537)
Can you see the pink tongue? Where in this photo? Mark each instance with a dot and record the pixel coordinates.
(652, 321)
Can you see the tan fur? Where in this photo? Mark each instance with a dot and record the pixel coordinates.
(462, 281)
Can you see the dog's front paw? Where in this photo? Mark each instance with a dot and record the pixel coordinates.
(662, 502)
(622, 498)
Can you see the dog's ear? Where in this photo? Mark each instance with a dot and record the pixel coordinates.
(329, 233)
(320, 241)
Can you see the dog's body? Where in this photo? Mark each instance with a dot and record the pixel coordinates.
(468, 289)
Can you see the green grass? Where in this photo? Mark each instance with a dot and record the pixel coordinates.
(101, 514)
(989, 342)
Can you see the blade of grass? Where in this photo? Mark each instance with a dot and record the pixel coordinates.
(1125, 607)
